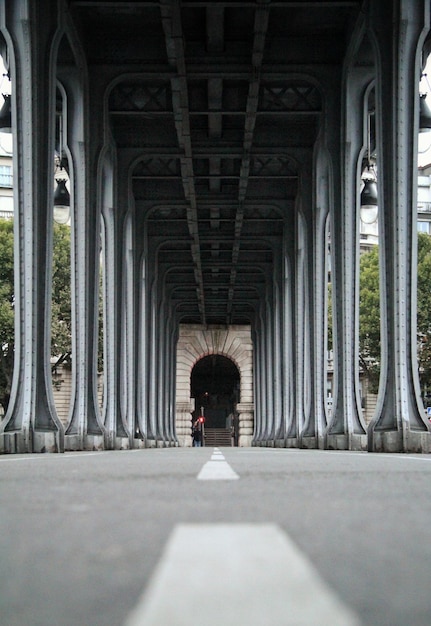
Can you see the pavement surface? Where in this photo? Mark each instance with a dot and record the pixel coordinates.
(209, 536)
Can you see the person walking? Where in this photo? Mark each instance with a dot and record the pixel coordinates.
(197, 434)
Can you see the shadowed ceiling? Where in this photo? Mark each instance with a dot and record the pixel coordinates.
(219, 103)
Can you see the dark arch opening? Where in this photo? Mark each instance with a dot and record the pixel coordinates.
(215, 384)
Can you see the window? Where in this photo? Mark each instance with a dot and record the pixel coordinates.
(423, 227)
(5, 176)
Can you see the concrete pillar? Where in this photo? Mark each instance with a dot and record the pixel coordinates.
(31, 423)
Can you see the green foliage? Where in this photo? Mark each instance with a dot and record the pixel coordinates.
(6, 310)
(369, 316)
(61, 327)
(369, 313)
(61, 302)
(424, 310)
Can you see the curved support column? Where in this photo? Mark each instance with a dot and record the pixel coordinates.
(300, 308)
(142, 369)
(118, 434)
(346, 430)
(315, 212)
(257, 386)
(161, 371)
(269, 369)
(31, 423)
(129, 355)
(85, 430)
(288, 341)
(261, 379)
(279, 427)
(399, 424)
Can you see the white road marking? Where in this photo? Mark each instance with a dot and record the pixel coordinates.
(217, 456)
(237, 575)
(217, 470)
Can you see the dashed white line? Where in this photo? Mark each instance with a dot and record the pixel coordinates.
(217, 468)
(237, 574)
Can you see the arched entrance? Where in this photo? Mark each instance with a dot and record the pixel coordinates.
(215, 387)
(227, 349)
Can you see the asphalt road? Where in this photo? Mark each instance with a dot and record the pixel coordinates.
(81, 533)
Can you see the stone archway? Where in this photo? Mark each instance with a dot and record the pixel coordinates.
(215, 385)
(195, 343)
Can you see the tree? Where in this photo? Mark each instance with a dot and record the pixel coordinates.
(61, 327)
(6, 310)
(61, 303)
(369, 316)
(424, 311)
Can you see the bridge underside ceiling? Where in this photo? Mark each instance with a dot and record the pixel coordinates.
(217, 105)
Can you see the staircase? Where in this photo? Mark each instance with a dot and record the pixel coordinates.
(218, 437)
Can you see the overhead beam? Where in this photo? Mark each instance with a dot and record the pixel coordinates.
(260, 29)
(172, 27)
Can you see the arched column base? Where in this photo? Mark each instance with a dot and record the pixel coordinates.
(317, 442)
(292, 442)
(349, 441)
(309, 443)
(18, 442)
(153, 443)
(74, 443)
(398, 441)
(122, 443)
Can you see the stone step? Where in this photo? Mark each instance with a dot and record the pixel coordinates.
(218, 437)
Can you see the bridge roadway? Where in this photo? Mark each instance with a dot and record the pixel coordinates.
(215, 536)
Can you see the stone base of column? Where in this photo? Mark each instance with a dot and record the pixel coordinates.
(138, 443)
(348, 441)
(245, 423)
(309, 443)
(280, 443)
(184, 441)
(183, 423)
(292, 442)
(245, 441)
(151, 443)
(38, 442)
(396, 441)
(313, 443)
(122, 443)
(74, 443)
